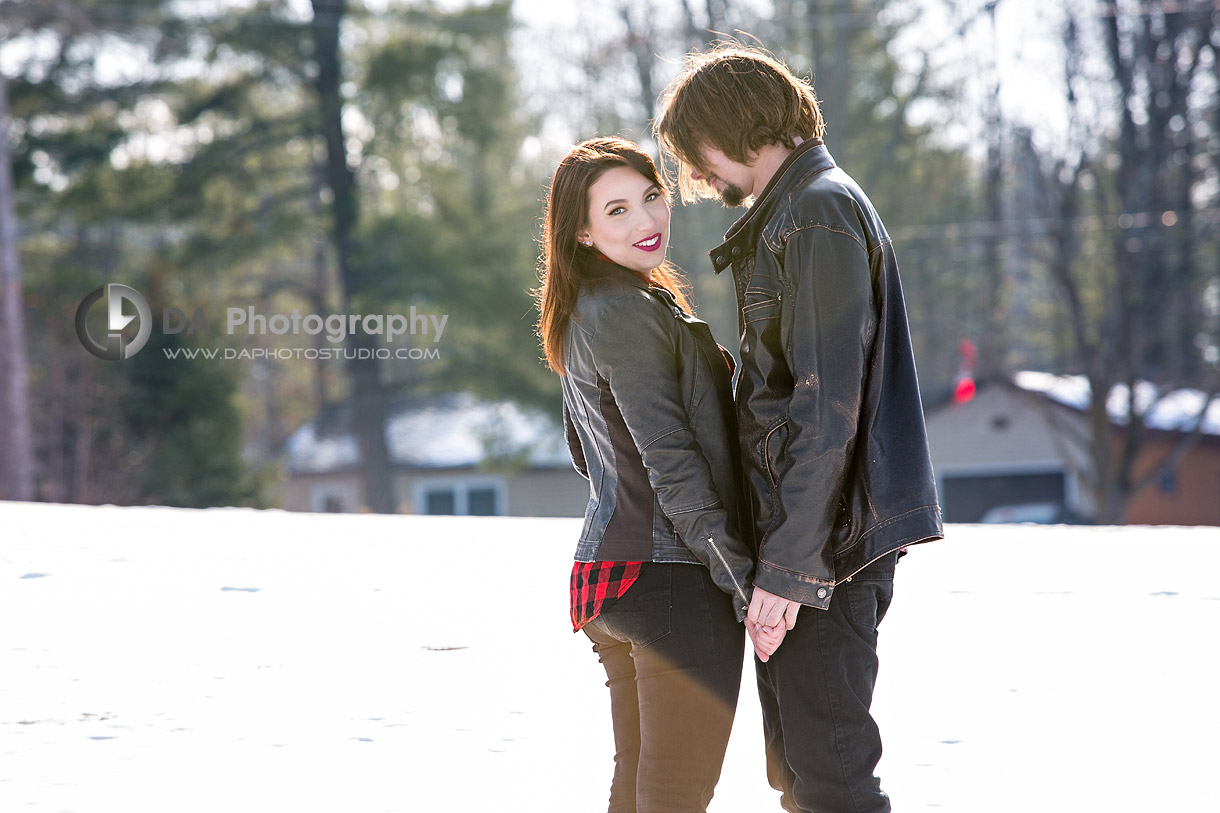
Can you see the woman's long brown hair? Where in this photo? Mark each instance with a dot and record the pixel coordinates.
(566, 264)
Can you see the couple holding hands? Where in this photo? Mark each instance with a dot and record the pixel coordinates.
(777, 507)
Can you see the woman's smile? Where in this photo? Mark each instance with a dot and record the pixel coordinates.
(651, 243)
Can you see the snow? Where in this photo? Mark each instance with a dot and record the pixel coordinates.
(1175, 410)
(156, 659)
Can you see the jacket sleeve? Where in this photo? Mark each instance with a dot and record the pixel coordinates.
(574, 448)
(635, 351)
(828, 335)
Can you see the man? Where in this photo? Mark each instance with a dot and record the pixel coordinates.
(833, 442)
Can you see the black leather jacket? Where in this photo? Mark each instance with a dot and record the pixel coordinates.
(834, 447)
(648, 414)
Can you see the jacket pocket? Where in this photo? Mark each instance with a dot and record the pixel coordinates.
(843, 520)
(774, 444)
(760, 304)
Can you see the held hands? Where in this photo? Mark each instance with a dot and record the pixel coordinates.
(768, 621)
(765, 639)
(768, 610)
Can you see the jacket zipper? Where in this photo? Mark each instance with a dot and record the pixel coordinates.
(741, 593)
(877, 558)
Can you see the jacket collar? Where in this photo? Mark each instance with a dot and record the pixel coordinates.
(613, 270)
(810, 157)
(629, 278)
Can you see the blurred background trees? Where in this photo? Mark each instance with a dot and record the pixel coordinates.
(342, 157)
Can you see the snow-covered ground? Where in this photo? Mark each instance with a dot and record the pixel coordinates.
(155, 659)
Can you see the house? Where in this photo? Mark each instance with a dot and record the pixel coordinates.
(1016, 451)
(452, 454)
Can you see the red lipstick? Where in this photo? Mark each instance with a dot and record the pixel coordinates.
(651, 243)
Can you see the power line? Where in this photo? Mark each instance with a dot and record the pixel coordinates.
(1045, 226)
(1151, 7)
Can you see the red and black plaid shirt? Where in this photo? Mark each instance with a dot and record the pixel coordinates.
(597, 585)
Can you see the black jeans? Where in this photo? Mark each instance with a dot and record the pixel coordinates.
(673, 652)
(816, 690)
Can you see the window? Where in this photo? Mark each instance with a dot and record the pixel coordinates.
(481, 502)
(482, 497)
(440, 501)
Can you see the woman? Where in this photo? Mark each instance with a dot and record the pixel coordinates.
(660, 581)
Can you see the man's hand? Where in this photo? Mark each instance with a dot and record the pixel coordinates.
(770, 610)
(765, 639)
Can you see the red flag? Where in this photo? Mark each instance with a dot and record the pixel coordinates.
(963, 388)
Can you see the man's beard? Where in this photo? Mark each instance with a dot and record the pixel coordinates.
(733, 195)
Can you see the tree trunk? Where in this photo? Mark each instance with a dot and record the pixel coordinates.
(639, 42)
(368, 400)
(993, 345)
(1103, 442)
(715, 17)
(830, 43)
(321, 372)
(16, 456)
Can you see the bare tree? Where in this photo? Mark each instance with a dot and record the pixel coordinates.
(1134, 316)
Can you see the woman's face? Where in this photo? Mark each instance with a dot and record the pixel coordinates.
(628, 219)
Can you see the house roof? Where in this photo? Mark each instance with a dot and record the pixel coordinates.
(1000, 427)
(1175, 410)
(449, 431)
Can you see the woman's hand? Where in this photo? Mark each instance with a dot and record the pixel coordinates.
(765, 639)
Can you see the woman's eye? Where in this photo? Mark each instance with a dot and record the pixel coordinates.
(616, 210)
(651, 196)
